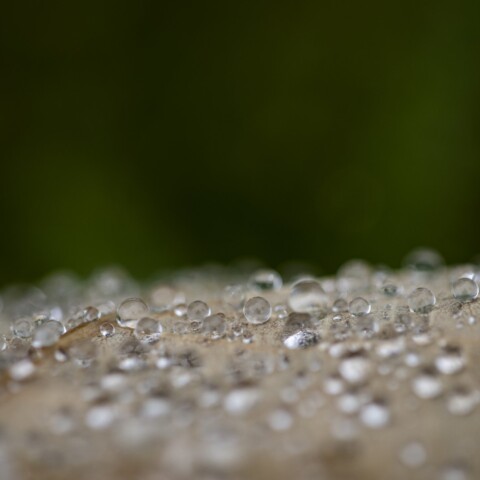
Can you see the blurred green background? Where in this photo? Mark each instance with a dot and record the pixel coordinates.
(163, 134)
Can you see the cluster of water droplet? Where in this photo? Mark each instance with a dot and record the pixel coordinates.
(214, 365)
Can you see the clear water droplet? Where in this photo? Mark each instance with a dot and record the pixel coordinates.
(450, 361)
(107, 329)
(257, 310)
(22, 327)
(359, 307)
(198, 310)
(375, 415)
(413, 454)
(465, 289)
(263, 280)
(234, 296)
(427, 385)
(214, 326)
(355, 368)
(421, 300)
(462, 401)
(148, 330)
(130, 311)
(308, 296)
(46, 335)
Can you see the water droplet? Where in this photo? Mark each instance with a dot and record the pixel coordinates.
(450, 361)
(390, 289)
(280, 420)
(234, 295)
(308, 296)
(257, 310)
(46, 335)
(131, 311)
(22, 327)
(100, 417)
(164, 297)
(214, 326)
(198, 310)
(359, 307)
(465, 289)
(413, 455)
(107, 329)
(265, 280)
(423, 260)
(22, 370)
(90, 314)
(427, 385)
(83, 352)
(375, 415)
(180, 310)
(421, 300)
(455, 472)
(355, 368)
(301, 339)
(462, 401)
(148, 330)
(340, 305)
(241, 400)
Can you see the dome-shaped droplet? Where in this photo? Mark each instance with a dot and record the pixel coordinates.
(130, 311)
(107, 329)
(214, 326)
(375, 415)
(47, 334)
(423, 260)
(465, 289)
(234, 296)
(359, 307)
(308, 296)
(265, 280)
(421, 300)
(257, 310)
(148, 330)
(198, 310)
(22, 327)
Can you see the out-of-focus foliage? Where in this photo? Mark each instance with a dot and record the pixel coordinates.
(159, 134)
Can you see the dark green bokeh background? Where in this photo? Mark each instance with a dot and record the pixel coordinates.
(161, 134)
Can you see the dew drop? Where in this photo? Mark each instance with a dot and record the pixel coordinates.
(257, 310)
(421, 300)
(234, 296)
(375, 415)
(462, 401)
(265, 280)
(413, 455)
(198, 310)
(3, 343)
(465, 289)
(214, 326)
(22, 327)
(308, 296)
(107, 329)
(130, 311)
(22, 370)
(427, 386)
(355, 368)
(450, 361)
(359, 307)
(148, 330)
(46, 335)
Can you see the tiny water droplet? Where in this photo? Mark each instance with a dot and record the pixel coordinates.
(257, 310)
